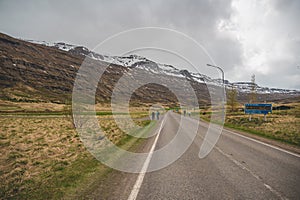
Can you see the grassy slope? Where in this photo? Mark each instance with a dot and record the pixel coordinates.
(282, 126)
(44, 158)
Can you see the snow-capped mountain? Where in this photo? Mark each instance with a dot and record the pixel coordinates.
(247, 87)
(137, 61)
(60, 45)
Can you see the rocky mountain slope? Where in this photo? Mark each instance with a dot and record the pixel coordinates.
(41, 71)
(35, 72)
(146, 64)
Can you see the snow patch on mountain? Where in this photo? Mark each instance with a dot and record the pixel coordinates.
(247, 87)
(60, 45)
(135, 61)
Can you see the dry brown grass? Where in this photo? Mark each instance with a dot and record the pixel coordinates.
(286, 128)
(35, 145)
(43, 107)
(30, 146)
(8, 106)
(282, 125)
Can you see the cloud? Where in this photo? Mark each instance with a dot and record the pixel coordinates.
(243, 37)
(269, 36)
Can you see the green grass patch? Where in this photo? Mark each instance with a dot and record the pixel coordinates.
(63, 177)
(260, 133)
(71, 180)
(274, 128)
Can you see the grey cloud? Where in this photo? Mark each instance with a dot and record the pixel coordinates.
(90, 22)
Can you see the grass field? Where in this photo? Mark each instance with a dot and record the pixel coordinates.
(11, 107)
(281, 125)
(42, 157)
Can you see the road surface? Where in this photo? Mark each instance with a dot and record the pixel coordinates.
(237, 168)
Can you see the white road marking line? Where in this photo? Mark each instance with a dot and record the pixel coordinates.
(240, 165)
(136, 188)
(275, 192)
(268, 145)
(257, 141)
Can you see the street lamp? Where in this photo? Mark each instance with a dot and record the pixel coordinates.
(223, 80)
(220, 70)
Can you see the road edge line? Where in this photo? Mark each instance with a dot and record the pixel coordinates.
(263, 143)
(252, 139)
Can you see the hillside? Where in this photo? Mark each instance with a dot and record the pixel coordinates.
(42, 72)
(36, 72)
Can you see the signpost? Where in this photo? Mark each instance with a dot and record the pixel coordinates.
(262, 108)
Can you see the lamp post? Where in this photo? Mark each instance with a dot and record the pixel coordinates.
(219, 68)
(223, 80)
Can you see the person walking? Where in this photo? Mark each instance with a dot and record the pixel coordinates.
(157, 115)
(153, 115)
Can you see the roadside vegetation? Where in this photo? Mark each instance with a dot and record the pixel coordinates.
(281, 125)
(42, 156)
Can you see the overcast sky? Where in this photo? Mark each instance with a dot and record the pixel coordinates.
(244, 37)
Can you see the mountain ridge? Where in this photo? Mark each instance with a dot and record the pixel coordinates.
(43, 72)
(137, 61)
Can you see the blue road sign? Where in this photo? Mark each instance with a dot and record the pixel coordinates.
(261, 108)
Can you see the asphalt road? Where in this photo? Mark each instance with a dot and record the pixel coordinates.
(237, 168)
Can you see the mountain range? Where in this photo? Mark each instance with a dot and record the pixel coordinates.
(41, 71)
